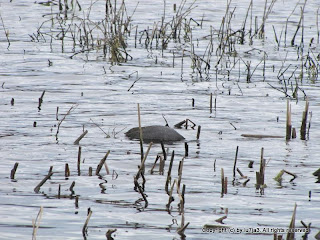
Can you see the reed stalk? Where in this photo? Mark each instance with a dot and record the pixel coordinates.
(169, 173)
(79, 161)
(102, 162)
(235, 164)
(290, 234)
(77, 141)
(13, 171)
(303, 128)
(37, 188)
(140, 133)
(85, 226)
(36, 224)
(288, 122)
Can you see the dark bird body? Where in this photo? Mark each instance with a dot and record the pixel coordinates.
(155, 133)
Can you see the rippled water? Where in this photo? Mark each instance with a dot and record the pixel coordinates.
(102, 94)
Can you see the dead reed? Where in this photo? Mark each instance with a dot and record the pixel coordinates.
(37, 188)
(77, 141)
(13, 171)
(198, 132)
(66, 171)
(79, 161)
(224, 183)
(169, 174)
(303, 129)
(186, 149)
(260, 185)
(64, 117)
(36, 223)
(41, 100)
(140, 133)
(235, 165)
(85, 226)
(109, 232)
(102, 162)
(290, 234)
(288, 123)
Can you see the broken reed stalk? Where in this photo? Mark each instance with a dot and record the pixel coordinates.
(37, 188)
(76, 142)
(64, 117)
(181, 197)
(222, 182)
(106, 167)
(260, 175)
(85, 226)
(6, 32)
(72, 186)
(13, 171)
(210, 103)
(186, 149)
(41, 100)
(245, 182)
(241, 174)
(163, 151)
(142, 167)
(59, 191)
(303, 129)
(102, 161)
(154, 164)
(79, 161)
(109, 232)
(180, 174)
(36, 223)
(278, 178)
(140, 133)
(50, 170)
(169, 173)
(183, 227)
(57, 114)
(171, 199)
(288, 122)
(235, 163)
(290, 234)
(198, 132)
(66, 170)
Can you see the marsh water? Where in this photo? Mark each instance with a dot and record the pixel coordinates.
(102, 97)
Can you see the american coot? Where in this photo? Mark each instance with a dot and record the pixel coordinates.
(155, 133)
